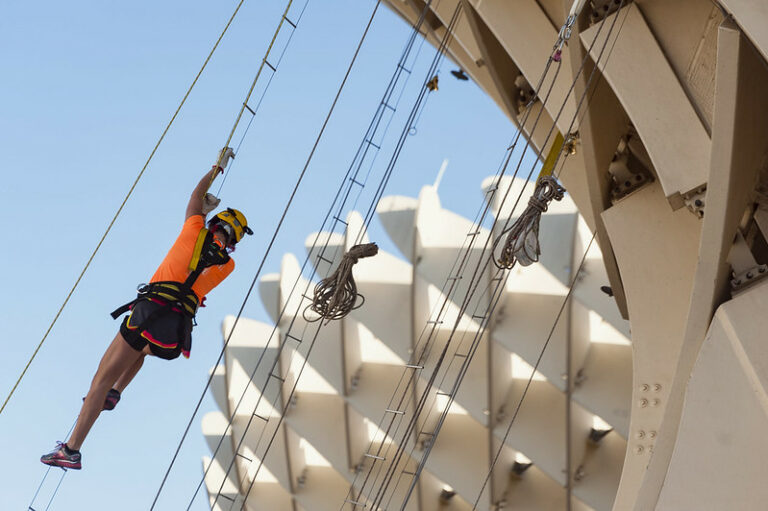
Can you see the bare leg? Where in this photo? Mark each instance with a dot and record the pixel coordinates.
(128, 374)
(118, 358)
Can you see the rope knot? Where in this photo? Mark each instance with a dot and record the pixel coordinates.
(336, 295)
(522, 238)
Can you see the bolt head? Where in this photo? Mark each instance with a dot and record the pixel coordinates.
(657, 387)
(639, 449)
(640, 434)
(643, 403)
(644, 387)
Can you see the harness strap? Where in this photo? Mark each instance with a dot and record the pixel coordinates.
(201, 238)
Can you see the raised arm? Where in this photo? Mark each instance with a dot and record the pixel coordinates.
(195, 205)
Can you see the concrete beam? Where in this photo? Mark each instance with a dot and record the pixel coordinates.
(655, 101)
(752, 17)
(603, 123)
(656, 250)
(736, 161)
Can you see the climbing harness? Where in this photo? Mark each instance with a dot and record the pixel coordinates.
(565, 31)
(336, 296)
(178, 297)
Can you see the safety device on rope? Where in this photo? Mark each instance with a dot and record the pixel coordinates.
(432, 84)
(522, 238)
(566, 29)
(336, 295)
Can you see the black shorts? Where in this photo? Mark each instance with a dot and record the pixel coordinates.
(167, 330)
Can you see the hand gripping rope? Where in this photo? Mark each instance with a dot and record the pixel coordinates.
(335, 295)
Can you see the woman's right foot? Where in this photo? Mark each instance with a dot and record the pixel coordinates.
(63, 457)
(110, 402)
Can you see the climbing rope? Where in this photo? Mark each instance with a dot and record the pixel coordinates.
(336, 296)
(466, 357)
(45, 476)
(522, 238)
(352, 179)
(567, 297)
(264, 62)
(417, 363)
(261, 266)
(122, 205)
(387, 174)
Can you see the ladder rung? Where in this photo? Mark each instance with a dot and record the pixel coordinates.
(371, 143)
(387, 105)
(409, 473)
(249, 460)
(226, 497)
(396, 412)
(291, 23)
(355, 503)
(434, 321)
(456, 277)
(460, 355)
(270, 65)
(323, 258)
(412, 366)
(253, 112)
(441, 393)
(265, 419)
(273, 375)
(479, 316)
(356, 181)
(340, 220)
(426, 433)
(293, 337)
(373, 456)
(404, 68)
(473, 233)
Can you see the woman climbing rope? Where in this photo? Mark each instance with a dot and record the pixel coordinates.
(161, 317)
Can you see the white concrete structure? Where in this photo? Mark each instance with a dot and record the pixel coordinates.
(357, 364)
(669, 172)
(679, 103)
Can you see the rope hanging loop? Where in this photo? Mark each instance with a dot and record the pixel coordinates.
(522, 238)
(336, 295)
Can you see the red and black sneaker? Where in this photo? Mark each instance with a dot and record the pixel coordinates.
(110, 402)
(63, 457)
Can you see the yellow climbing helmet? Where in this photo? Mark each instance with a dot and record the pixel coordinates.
(233, 222)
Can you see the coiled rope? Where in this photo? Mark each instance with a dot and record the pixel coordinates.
(336, 295)
(522, 238)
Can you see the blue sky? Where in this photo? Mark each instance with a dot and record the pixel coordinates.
(86, 91)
